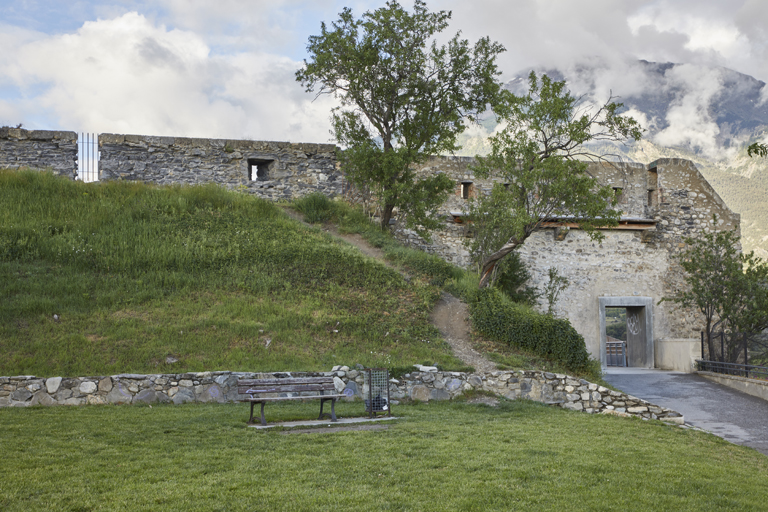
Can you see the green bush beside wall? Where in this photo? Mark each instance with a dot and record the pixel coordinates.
(496, 317)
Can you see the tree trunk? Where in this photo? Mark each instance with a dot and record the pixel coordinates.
(490, 262)
(386, 215)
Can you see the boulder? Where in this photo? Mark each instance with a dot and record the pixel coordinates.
(52, 384)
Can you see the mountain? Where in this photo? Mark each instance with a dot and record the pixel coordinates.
(707, 114)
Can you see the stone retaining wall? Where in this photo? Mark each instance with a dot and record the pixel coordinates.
(549, 388)
(39, 149)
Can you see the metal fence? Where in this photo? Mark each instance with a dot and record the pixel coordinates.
(741, 370)
(616, 353)
(88, 157)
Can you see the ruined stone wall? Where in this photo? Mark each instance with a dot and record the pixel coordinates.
(663, 203)
(39, 150)
(423, 385)
(272, 170)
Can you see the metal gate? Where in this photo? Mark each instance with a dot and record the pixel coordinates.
(88, 157)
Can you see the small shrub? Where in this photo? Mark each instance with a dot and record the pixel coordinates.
(436, 269)
(498, 318)
(512, 278)
(316, 208)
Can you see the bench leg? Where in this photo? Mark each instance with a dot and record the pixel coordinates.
(263, 421)
(333, 409)
(250, 420)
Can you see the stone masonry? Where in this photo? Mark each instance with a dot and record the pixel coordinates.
(662, 204)
(272, 170)
(424, 384)
(39, 150)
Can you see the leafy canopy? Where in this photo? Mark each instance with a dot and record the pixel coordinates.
(539, 162)
(728, 287)
(402, 98)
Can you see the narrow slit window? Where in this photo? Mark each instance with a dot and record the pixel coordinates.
(618, 193)
(466, 189)
(653, 198)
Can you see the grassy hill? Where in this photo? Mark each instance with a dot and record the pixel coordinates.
(108, 278)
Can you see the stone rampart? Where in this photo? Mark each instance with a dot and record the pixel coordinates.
(549, 388)
(272, 170)
(39, 150)
(662, 204)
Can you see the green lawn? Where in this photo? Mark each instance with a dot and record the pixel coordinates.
(439, 456)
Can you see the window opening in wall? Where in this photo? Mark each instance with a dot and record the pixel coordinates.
(258, 170)
(618, 193)
(653, 178)
(653, 198)
(466, 189)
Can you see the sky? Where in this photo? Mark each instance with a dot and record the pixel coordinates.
(225, 68)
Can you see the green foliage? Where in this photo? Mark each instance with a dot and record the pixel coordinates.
(138, 273)
(728, 287)
(538, 161)
(617, 330)
(757, 149)
(436, 269)
(403, 97)
(316, 207)
(512, 278)
(554, 287)
(497, 317)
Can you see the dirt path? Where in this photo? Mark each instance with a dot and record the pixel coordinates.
(450, 315)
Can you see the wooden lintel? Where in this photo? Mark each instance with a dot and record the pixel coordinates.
(622, 226)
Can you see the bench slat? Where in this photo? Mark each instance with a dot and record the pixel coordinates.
(281, 398)
(297, 380)
(247, 390)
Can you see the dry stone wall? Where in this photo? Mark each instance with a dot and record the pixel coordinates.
(39, 150)
(425, 384)
(272, 170)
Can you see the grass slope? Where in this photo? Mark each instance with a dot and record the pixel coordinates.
(215, 279)
(440, 456)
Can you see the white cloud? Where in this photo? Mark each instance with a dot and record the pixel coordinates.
(688, 116)
(128, 75)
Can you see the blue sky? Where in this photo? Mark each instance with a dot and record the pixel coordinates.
(225, 68)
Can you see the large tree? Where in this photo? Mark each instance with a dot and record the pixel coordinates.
(729, 288)
(402, 98)
(540, 162)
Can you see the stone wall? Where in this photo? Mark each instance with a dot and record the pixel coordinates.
(39, 150)
(662, 204)
(272, 170)
(424, 384)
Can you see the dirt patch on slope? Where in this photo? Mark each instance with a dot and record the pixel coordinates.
(450, 316)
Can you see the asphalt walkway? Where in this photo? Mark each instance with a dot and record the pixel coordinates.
(725, 412)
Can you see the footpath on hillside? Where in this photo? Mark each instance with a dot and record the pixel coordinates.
(450, 315)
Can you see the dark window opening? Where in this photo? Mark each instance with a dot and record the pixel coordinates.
(618, 193)
(653, 178)
(258, 170)
(653, 198)
(466, 189)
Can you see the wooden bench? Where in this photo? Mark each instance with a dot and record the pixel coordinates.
(261, 391)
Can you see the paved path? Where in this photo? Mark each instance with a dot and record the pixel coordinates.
(725, 412)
